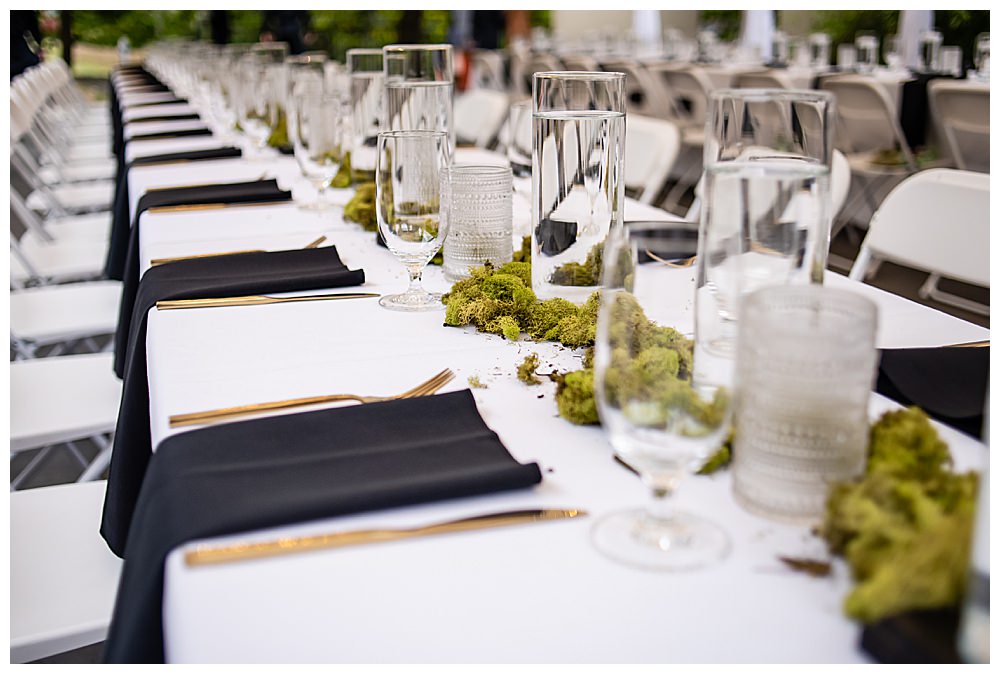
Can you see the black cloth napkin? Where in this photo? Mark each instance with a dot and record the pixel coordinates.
(119, 266)
(120, 223)
(914, 637)
(227, 276)
(914, 108)
(281, 470)
(949, 383)
(173, 134)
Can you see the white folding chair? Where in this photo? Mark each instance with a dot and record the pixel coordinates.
(651, 148)
(643, 95)
(762, 79)
(935, 221)
(63, 317)
(582, 62)
(868, 123)
(488, 70)
(961, 111)
(479, 115)
(34, 261)
(55, 402)
(63, 577)
(685, 90)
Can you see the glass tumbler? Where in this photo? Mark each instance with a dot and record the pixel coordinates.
(518, 138)
(577, 179)
(476, 204)
(867, 51)
(765, 219)
(804, 371)
(846, 57)
(930, 51)
(364, 68)
(819, 50)
(419, 88)
(951, 61)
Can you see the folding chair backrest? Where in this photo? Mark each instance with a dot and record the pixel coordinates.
(479, 114)
(688, 89)
(764, 79)
(936, 221)
(583, 62)
(867, 118)
(487, 70)
(651, 148)
(962, 112)
(641, 91)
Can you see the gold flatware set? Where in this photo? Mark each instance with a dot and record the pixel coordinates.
(203, 555)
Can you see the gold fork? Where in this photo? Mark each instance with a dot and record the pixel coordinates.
(428, 387)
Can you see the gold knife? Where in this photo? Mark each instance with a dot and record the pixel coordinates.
(155, 262)
(253, 300)
(202, 555)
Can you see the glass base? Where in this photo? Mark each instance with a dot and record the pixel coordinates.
(680, 543)
(412, 302)
(315, 206)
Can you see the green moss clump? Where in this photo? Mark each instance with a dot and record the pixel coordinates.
(721, 458)
(904, 528)
(279, 135)
(343, 178)
(523, 255)
(361, 207)
(526, 370)
(476, 382)
(575, 397)
(577, 274)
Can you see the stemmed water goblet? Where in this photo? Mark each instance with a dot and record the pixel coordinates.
(660, 420)
(408, 172)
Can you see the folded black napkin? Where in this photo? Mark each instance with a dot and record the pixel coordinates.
(120, 223)
(173, 134)
(914, 637)
(153, 117)
(124, 239)
(949, 383)
(269, 472)
(226, 276)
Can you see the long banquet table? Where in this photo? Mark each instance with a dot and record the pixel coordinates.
(538, 593)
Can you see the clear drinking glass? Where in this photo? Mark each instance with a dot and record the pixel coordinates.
(893, 52)
(578, 123)
(951, 61)
(408, 173)
(819, 50)
(765, 218)
(658, 419)
(316, 132)
(804, 370)
(305, 72)
(779, 48)
(846, 57)
(518, 138)
(981, 56)
(476, 204)
(930, 51)
(419, 88)
(867, 51)
(364, 67)
(258, 102)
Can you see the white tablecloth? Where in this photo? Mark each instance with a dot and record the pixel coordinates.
(530, 593)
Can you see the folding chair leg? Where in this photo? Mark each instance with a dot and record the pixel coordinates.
(100, 463)
(930, 290)
(36, 461)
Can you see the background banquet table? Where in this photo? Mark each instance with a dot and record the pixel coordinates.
(530, 593)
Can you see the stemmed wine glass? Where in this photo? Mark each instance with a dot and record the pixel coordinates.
(660, 419)
(316, 130)
(408, 171)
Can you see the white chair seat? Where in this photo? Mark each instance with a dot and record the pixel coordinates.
(63, 577)
(89, 152)
(60, 313)
(54, 400)
(93, 196)
(77, 173)
(59, 261)
(93, 227)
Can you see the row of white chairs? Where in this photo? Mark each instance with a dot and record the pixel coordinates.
(63, 576)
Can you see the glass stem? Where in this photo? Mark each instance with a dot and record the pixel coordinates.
(662, 484)
(416, 273)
